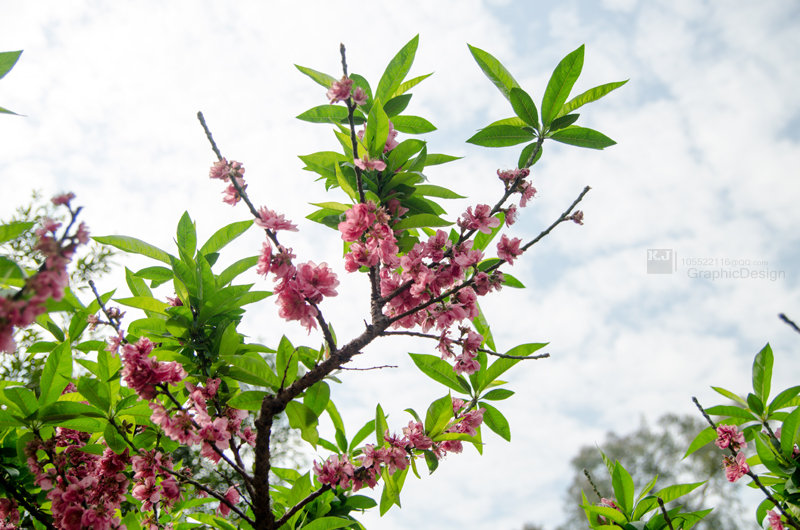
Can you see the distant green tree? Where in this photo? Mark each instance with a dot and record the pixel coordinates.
(650, 451)
(93, 261)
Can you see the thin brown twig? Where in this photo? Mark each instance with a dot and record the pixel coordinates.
(297, 507)
(370, 368)
(789, 322)
(246, 476)
(216, 495)
(664, 512)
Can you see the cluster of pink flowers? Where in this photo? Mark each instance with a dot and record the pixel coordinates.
(85, 489)
(9, 514)
(775, 520)
(225, 170)
(143, 373)
(21, 309)
(729, 436)
(426, 271)
(469, 341)
(341, 90)
(735, 467)
(153, 484)
(373, 241)
(514, 179)
(396, 455)
(194, 424)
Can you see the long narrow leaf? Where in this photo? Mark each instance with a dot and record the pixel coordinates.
(396, 70)
(495, 71)
(560, 85)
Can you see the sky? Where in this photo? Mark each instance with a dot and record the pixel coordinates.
(705, 169)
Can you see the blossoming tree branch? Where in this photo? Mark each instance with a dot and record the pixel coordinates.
(103, 438)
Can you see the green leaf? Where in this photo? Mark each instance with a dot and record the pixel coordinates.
(412, 125)
(789, 431)
(380, 426)
(420, 220)
(303, 418)
(321, 78)
(482, 327)
(563, 122)
(14, 229)
(187, 235)
(225, 235)
(360, 502)
(590, 95)
(440, 371)
(362, 434)
(730, 395)
(502, 364)
(496, 421)
(434, 159)
(346, 187)
(755, 404)
(148, 303)
(23, 398)
(495, 71)
(7, 61)
(396, 105)
(96, 392)
(622, 482)
(134, 246)
(670, 493)
(609, 513)
(114, 439)
(397, 70)
(782, 399)
(431, 190)
(325, 114)
(317, 396)
(377, 130)
(7, 420)
(501, 136)
(56, 374)
(701, 440)
(560, 85)
(582, 137)
(248, 400)
(731, 411)
(498, 394)
(9, 270)
(4, 110)
(329, 523)
(762, 373)
(235, 269)
(524, 107)
(512, 281)
(527, 151)
(59, 411)
(405, 86)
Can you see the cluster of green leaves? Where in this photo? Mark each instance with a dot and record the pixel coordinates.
(557, 118)
(642, 511)
(759, 418)
(404, 178)
(7, 62)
